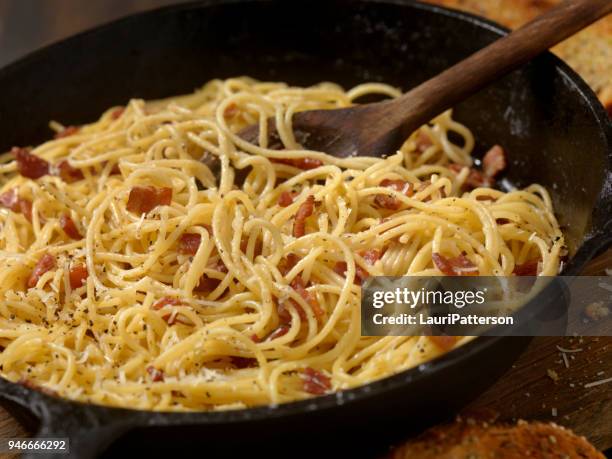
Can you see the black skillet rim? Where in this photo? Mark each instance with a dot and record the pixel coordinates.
(590, 246)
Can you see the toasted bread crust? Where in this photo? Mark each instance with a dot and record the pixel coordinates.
(589, 52)
(477, 440)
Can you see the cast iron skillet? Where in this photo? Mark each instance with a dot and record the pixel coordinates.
(549, 121)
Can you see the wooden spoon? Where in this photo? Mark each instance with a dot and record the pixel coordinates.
(372, 129)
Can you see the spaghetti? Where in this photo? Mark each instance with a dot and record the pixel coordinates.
(132, 276)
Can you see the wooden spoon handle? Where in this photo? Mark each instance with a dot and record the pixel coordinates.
(460, 81)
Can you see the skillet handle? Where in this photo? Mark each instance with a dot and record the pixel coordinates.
(90, 429)
(87, 440)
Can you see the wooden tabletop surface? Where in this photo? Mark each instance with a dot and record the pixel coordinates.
(539, 386)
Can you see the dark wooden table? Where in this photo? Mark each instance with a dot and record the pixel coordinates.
(527, 391)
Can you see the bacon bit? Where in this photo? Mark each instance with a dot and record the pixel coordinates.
(285, 316)
(424, 185)
(25, 207)
(300, 163)
(360, 274)
(255, 338)
(78, 276)
(280, 331)
(286, 198)
(69, 227)
(166, 301)
(457, 266)
(423, 142)
(494, 161)
(208, 284)
(298, 285)
(155, 374)
(116, 113)
(68, 173)
(32, 385)
(243, 362)
(305, 211)
(12, 201)
(371, 256)
(143, 199)
(244, 244)
(315, 381)
(390, 202)
(170, 318)
(29, 165)
(475, 178)
(9, 199)
(287, 263)
(189, 243)
(529, 268)
(45, 264)
(231, 110)
(400, 186)
(446, 343)
(67, 131)
(387, 202)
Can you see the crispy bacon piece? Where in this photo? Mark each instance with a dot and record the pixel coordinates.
(475, 178)
(360, 274)
(165, 302)
(305, 211)
(155, 374)
(423, 142)
(189, 243)
(282, 330)
(315, 381)
(390, 202)
(68, 173)
(29, 165)
(170, 318)
(457, 266)
(285, 316)
(244, 244)
(255, 338)
(66, 132)
(231, 110)
(115, 170)
(301, 163)
(286, 198)
(11, 200)
(529, 268)
(287, 263)
(446, 343)
(116, 113)
(298, 285)
(208, 284)
(25, 207)
(371, 256)
(243, 362)
(143, 199)
(78, 276)
(69, 227)
(400, 186)
(494, 161)
(45, 264)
